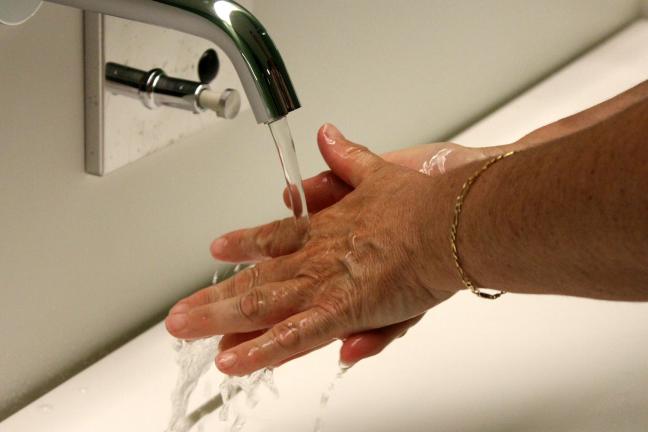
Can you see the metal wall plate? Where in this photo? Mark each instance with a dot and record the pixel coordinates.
(14, 12)
(120, 130)
(94, 93)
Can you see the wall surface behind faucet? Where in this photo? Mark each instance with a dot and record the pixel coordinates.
(87, 262)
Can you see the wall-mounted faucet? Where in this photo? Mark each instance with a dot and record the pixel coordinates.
(230, 26)
(225, 23)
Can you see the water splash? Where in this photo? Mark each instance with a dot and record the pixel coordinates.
(249, 386)
(324, 399)
(194, 359)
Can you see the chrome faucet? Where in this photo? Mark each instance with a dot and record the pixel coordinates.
(230, 26)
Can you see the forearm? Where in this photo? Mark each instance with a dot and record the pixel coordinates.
(568, 214)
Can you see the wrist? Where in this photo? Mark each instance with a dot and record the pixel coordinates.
(457, 269)
(444, 192)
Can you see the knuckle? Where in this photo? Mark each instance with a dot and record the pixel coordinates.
(254, 275)
(245, 280)
(291, 297)
(287, 335)
(325, 317)
(282, 237)
(343, 302)
(357, 151)
(312, 274)
(251, 305)
(363, 155)
(352, 241)
(379, 169)
(361, 243)
(226, 289)
(265, 239)
(236, 282)
(316, 264)
(212, 294)
(334, 306)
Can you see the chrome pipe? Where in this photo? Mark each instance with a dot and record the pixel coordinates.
(154, 88)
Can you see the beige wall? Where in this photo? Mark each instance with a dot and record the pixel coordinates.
(86, 262)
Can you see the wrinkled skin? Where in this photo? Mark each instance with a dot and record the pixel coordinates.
(366, 272)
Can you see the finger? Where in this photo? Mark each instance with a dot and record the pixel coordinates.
(322, 191)
(275, 239)
(363, 345)
(351, 162)
(302, 354)
(366, 344)
(275, 270)
(293, 195)
(231, 340)
(258, 308)
(284, 340)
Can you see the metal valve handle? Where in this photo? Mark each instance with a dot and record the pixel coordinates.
(155, 88)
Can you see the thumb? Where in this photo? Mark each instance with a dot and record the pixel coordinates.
(351, 162)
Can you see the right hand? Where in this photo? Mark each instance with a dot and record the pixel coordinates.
(326, 189)
(371, 264)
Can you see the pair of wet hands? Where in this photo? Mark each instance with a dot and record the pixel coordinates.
(363, 274)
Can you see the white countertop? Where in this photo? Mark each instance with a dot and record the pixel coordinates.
(522, 363)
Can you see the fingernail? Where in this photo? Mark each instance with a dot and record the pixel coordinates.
(179, 308)
(176, 322)
(219, 245)
(331, 134)
(226, 360)
(345, 365)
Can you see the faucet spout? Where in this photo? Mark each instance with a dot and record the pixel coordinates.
(230, 26)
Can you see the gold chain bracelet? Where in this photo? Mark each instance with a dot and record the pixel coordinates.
(455, 225)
